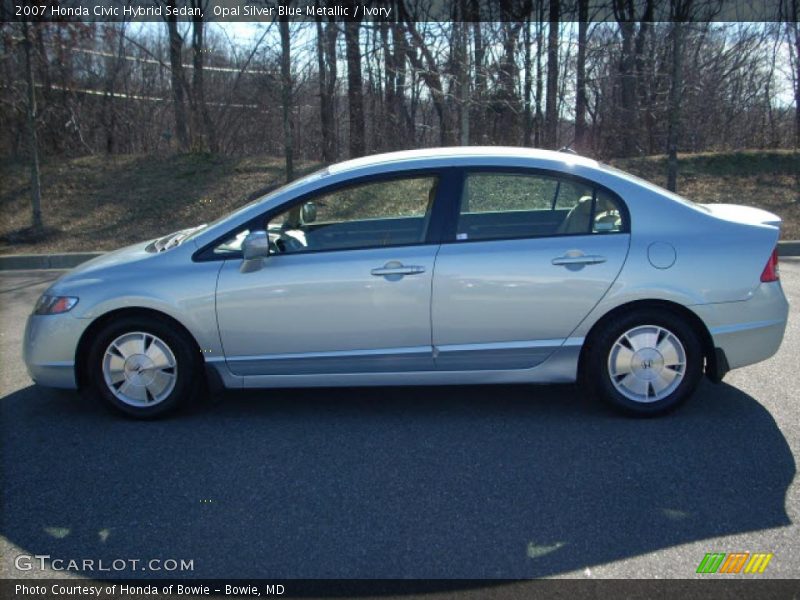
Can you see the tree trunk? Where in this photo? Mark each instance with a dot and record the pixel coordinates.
(331, 33)
(109, 106)
(538, 121)
(178, 79)
(462, 67)
(795, 28)
(479, 52)
(389, 118)
(201, 117)
(527, 133)
(479, 95)
(673, 134)
(507, 101)
(36, 187)
(551, 105)
(355, 92)
(286, 97)
(580, 82)
(400, 79)
(327, 81)
(627, 125)
(644, 117)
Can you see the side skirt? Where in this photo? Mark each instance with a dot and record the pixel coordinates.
(560, 367)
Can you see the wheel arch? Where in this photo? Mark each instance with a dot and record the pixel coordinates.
(89, 334)
(713, 367)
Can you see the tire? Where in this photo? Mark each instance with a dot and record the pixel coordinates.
(644, 363)
(143, 367)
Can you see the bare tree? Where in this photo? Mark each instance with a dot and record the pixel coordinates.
(551, 106)
(538, 121)
(507, 101)
(430, 73)
(580, 77)
(633, 39)
(113, 66)
(680, 11)
(418, 83)
(461, 60)
(793, 31)
(527, 134)
(401, 80)
(178, 77)
(201, 119)
(355, 92)
(36, 186)
(286, 97)
(326, 64)
(478, 56)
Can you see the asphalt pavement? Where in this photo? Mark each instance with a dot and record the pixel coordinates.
(422, 482)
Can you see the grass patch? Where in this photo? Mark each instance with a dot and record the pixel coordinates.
(768, 179)
(102, 203)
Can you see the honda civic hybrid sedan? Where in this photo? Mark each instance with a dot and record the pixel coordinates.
(443, 266)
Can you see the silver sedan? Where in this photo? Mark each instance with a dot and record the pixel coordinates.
(443, 266)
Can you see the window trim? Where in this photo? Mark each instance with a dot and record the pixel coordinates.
(455, 210)
(445, 186)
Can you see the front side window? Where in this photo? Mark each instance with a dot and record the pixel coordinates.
(393, 212)
(369, 215)
(513, 205)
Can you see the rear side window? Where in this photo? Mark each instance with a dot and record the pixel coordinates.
(519, 205)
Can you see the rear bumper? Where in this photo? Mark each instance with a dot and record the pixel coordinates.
(49, 349)
(749, 331)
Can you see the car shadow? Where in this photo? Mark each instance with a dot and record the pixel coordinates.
(422, 482)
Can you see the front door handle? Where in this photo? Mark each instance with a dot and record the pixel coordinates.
(396, 268)
(580, 259)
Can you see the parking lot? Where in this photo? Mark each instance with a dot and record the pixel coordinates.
(449, 482)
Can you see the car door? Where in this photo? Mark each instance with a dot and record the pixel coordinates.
(346, 289)
(530, 255)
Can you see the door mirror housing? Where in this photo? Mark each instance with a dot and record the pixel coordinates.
(255, 248)
(255, 245)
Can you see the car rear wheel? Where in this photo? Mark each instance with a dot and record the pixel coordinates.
(142, 367)
(646, 363)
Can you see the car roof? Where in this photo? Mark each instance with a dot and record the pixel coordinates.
(460, 155)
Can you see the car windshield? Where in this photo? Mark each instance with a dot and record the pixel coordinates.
(271, 194)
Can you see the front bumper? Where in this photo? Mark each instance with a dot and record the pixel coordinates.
(749, 331)
(49, 348)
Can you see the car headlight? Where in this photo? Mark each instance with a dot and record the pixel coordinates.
(54, 305)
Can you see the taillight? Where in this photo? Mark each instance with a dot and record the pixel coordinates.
(770, 272)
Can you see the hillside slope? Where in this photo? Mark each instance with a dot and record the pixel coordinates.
(101, 203)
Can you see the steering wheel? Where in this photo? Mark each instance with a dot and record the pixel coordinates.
(285, 242)
(608, 220)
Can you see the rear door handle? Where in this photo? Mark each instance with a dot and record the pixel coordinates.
(397, 269)
(582, 259)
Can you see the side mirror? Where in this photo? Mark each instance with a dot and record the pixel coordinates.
(309, 212)
(255, 248)
(255, 245)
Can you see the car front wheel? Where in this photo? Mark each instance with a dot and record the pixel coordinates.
(142, 367)
(645, 363)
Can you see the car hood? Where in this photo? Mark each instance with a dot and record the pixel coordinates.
(98, 269)
(122, 256)
(743, 214)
